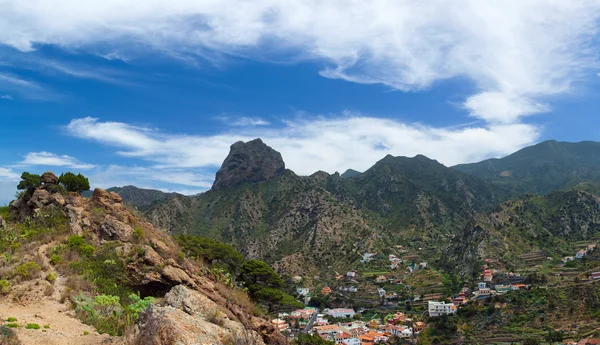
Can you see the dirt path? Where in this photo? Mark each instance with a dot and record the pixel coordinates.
(40, 309)
(64, 329)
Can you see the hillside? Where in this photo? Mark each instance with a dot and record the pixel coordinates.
(140, 198)
(541, 168)
(83, 266)
(309, 223)
(549, 224)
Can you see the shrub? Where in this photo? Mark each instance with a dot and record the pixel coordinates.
(29, 181)
(11, 319)
(46, 326)
(79, 244)
(4, 286)
(106, 313)
(32, 326)
(86, 333)
(4, 212)
(55, 259)
(51, 277)
(74, 183)
(8, 337)
(28, 269)
(138, 234)
(49, 290)
(215, 317)
(12, 325)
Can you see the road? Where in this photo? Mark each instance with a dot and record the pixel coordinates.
(312, 320)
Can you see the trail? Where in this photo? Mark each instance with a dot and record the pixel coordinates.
(64, 328)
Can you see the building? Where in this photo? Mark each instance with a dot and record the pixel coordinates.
(440, 308)
(372, 338)
(302, 291)
(367, 257)
(341, 336)
(381, 292)
(340, 313)
(483, 293)
(502, 289)
(488, 275)
(381, 279)
(580, 254)
(326, 291)
(567, 259)
(351, 341)
(280, 324)
(351, 275)
(304, 314)
(595, 275)
(419, 326)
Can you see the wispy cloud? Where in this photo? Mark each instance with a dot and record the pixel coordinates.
(243, 121)
(518, 53)
(51, 159)
(26, 88)
(330, 144)
(8, 174)
(7, 97)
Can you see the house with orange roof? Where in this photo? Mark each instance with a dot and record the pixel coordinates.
(488, 275)
(326, 291)
(419, 326)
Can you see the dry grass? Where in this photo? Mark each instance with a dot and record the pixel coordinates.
(49, 291)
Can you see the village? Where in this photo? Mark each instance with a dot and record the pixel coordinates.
(402, 311)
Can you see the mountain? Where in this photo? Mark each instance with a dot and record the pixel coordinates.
(308, 223)
(138, 197)
(541, 168)
(549, 224)
(350, 173)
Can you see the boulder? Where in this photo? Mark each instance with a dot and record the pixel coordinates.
(103, 198)
(151, 257)
(172, 326)
(49, 178)
(113, 229)
(176, 275)
(2, 223)
(190, 301)
(39, 199)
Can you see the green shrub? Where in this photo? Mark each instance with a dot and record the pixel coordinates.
(11, 319)
(45, 225)
(32, 326)
(28, 269)
(86, 333)
(74, 183)
(12, 325)
(138, 234)
(51, 277)
(4, 286)
(46, 326)
(55, 259)
(107, 314)
(79, 244)
(4, 212)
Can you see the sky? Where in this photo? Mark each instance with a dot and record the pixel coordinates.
(153, 93)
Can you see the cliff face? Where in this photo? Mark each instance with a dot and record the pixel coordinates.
(249, 162)
(144, 260)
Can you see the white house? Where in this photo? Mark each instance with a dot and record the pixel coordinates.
(351, 341)
(302, 291)
(340, 313)
(440, 308)
(367, 257)
(351, 275)
(381, 292)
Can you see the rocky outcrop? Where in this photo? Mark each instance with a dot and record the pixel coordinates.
(253, 161)
(2, 223)
(49, 178)
(190, 318)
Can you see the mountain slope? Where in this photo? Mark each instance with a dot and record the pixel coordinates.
(532, 223)
(309, 223)
(139, 197)
(541, 168)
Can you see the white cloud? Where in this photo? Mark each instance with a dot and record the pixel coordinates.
(51, 159)
(7, 97)
(243, 121)
(8, 174)
(26, 88)
(520, 51)
(329, 144)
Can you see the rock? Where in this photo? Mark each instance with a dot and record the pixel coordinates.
(151, 257)
(113, 229)
(2, 223)
(49, 178)
(39, 199)
(171, 326)
(253, 161)
(76, 219)
(176, 275)
(190, 301)
(106, 199)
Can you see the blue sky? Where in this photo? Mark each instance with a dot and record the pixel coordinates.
(153, 94)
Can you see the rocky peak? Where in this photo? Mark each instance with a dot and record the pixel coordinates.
(253, 161)
(49, 178)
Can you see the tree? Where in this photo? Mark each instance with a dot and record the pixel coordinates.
(554, 336)
(531, 341)
(212, 251)
(29, 181)
(306, 339)
(265, 285)
(74, 183)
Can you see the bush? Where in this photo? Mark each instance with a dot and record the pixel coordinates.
(107, 314)
(215, 317)
(79, 244)
(11, 319)
(4, 286)
(28, 269)
(29, 181)
(8, 336)
(51, 277)
(12, 325)
(55, 259)
(32, 326)
(74, 183)
(138, 234)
